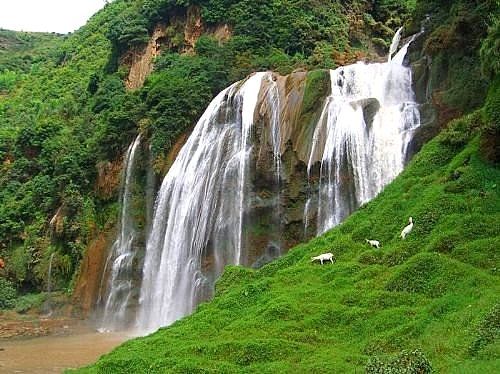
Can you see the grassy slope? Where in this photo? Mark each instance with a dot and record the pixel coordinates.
(431, 291)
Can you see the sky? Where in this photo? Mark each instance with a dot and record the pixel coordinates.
(61, 16)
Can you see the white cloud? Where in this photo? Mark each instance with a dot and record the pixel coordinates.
(60, 16)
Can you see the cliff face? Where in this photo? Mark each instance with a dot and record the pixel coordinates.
(180, 30)
(89, 283)
(141, 63)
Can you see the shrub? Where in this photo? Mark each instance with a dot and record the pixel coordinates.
(7, 294)
(487, 332)
(30, 301)
(407, 362)
(490, 49)
(460, 131)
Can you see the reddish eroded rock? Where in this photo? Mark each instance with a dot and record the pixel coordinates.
(141, 62)
(108, 178)
(86, 293)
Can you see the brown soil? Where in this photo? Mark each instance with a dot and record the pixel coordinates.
(31, 344)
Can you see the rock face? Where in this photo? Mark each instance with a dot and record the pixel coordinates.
(141, 63)
(89, 284)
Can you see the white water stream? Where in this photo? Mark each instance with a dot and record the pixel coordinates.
(368, 121)
(117, 295)
(201, 201)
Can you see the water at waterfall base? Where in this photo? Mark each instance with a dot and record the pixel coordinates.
(55, 353)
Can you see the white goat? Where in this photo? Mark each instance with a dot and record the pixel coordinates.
(373, 243)
(407, 229)
(323, 257)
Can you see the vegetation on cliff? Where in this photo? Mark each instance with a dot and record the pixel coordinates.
(66, 116)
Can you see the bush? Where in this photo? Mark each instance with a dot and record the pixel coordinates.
(7, 294)
(490, 49)
(30, 301)
(487, 332)
(407, 362)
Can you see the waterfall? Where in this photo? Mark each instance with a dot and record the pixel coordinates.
(119, 264)
(368, 119)
(200, 207)
(218, 206)
(150, 191)
(395, 43)
(49, 275)
(273, 98)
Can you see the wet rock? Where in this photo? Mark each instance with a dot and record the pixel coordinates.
(370, 108)
(270, 253)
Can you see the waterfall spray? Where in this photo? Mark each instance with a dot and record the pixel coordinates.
(119, 264)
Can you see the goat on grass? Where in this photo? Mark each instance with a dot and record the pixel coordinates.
(373, 243)
(407, 229)
(324, 257)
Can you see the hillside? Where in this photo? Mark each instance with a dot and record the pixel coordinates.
(20, 50)
(436, 291)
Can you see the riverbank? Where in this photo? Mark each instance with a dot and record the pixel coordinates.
(30, 344)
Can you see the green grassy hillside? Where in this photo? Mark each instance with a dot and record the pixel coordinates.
(431, 299)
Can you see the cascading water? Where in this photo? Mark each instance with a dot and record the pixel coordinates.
(49, 275)
(200, 207)
(216, 207)
(273, 98)
(395, 43)
(368, 121)
(119, 264)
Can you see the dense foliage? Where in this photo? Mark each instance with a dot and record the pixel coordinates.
(458, 29)
(65, 112)
(50, 142)
(7, 294)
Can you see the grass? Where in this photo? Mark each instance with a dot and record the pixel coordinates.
(431, 299)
